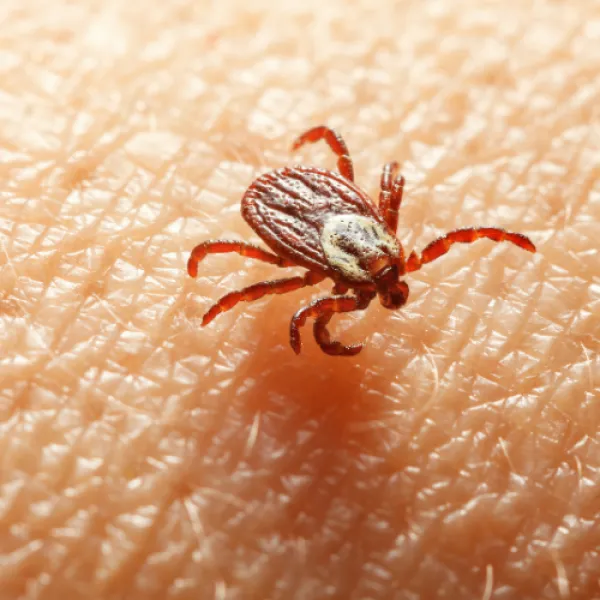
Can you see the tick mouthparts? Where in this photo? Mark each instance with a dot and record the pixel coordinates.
(386, 276)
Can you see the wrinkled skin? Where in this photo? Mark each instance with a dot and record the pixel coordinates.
(143, 457)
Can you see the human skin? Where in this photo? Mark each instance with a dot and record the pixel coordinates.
(143, 456)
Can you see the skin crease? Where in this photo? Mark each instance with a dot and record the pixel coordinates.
(457, 456)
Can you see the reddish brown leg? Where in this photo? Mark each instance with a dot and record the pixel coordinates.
(390, 196)
(440, 246)
(322, 335)
(385, 194)
(396, 201)
(324, 339)
(258, 290)
(243, 248)
(339, 289)
(323, 309)
(336, 143)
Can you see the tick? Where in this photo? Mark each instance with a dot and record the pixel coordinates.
(323, 222)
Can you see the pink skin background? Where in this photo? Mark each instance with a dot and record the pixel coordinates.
(143, 457)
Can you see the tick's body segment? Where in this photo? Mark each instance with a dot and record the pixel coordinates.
(321, 221)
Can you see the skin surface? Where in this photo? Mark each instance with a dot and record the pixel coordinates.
(458, 456)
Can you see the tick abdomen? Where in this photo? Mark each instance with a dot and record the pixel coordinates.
(289, 208)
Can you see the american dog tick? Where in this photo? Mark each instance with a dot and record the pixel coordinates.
(322, 221)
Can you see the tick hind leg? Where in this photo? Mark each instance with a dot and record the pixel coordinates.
(242, 248)
(258, 290)
(390, 196)
(322, 310)
(335, 142)
(440, 246)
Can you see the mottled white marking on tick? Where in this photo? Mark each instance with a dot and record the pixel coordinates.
(348, 240)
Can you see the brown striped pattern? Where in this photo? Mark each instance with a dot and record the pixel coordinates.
(288, 207)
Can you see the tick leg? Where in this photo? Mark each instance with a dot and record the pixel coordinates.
(336, 143)
(243, 248)
(323, 309)
(258, 290)
(396, 201)
(390, 196)
(440, 246)
(323, 338)
(320, 327)
(339, 289)
(387, 176)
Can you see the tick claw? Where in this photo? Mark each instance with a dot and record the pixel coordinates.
(338, 349)
(295, 342)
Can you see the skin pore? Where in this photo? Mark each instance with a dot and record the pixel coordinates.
(457, 456)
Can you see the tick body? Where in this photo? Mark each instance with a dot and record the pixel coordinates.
(323, 222)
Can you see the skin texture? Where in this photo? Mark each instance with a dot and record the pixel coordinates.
(457, 456)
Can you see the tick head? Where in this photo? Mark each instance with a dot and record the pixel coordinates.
(392, 293)
(361, 249)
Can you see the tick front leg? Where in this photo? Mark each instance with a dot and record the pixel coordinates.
(258, 290)
(335, 142)
(440, 246)
(390, 196)
(243, 248)
(323, 338)
(323, 309)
